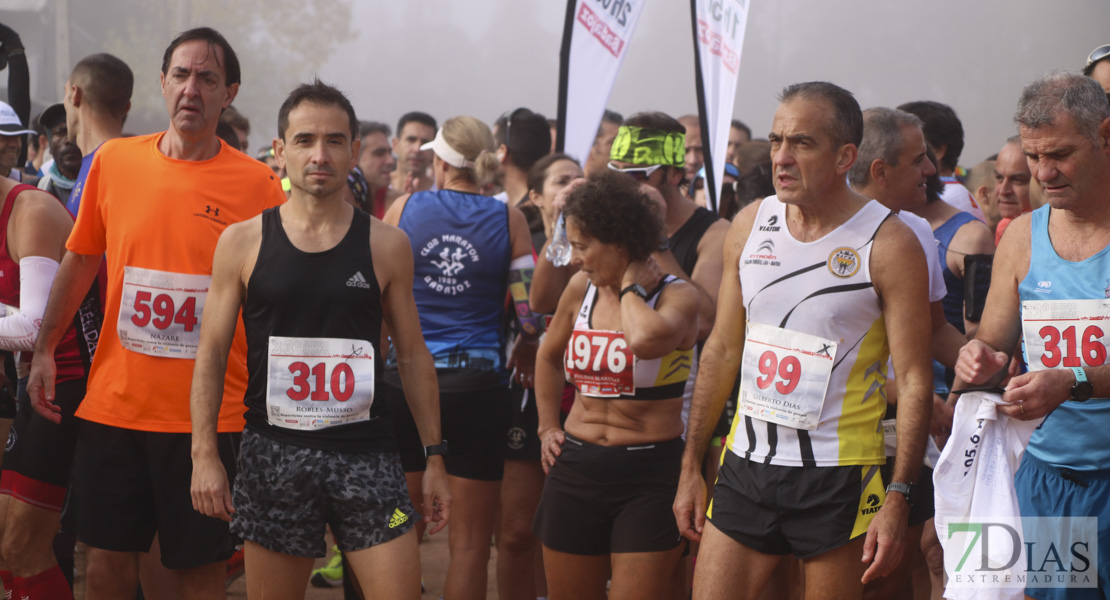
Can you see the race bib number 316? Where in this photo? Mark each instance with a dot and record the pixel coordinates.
(784, 375)
(1065, 333)
(159, 312)
(315, 383)
(600, 363)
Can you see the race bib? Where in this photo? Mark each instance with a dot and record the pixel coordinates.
(1065, 333)
(600, 363)
(784, 376)
(159, 312)
(316, 383)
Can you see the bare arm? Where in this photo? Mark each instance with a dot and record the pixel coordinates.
(655, 332)
(550, 376)
(900, 276)
(210, 491)
(548, 282)
(708, 272)
(720, 361)
(414, 361)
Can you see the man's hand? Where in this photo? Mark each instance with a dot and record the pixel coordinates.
(943, 414)
(886, 537)
(978, 362)
(551, 446)
(689, 505)
(40, 386)
(522, 360)
(209, 489)
(437, 494)
(1037, 393)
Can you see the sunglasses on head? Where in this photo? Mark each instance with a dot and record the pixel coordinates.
(508, 116)
(637, 173)
(1096, 55)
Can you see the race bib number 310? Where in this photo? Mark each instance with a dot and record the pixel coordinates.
(600, 363)
(315, 383)
(159, 312)
(1065, 333)
(784, 376)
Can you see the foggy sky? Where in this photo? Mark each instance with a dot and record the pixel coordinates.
(483, 57)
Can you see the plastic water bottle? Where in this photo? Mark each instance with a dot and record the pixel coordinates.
(558, 249)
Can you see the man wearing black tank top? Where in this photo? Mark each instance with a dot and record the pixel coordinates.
(314, 304)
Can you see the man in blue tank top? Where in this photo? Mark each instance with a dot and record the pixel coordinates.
(315, 450)
(1060, 252)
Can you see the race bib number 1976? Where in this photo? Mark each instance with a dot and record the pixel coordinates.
(600, 363)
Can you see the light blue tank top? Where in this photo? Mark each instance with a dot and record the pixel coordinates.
(1073, 436)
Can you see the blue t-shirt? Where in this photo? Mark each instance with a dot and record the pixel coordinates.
(1074, 435)
(74, 201)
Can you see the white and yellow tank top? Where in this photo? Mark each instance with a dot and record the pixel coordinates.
(813, 381)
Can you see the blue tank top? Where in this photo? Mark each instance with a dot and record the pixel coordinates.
(1074, 435)
(461, 249)
(953, 301)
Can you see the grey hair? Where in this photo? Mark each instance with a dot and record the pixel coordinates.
(882, 140)
(846, 120)
(1063, 92)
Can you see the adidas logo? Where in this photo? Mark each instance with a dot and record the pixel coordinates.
(398, 518)
(357, 280)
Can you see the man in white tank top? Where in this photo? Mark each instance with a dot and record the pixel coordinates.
(818, 284)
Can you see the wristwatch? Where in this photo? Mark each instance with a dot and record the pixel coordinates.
(439, 449)
(906, 489)
(635, 288)
(1082, 389)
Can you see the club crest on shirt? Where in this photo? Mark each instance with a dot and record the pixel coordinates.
(844, 262)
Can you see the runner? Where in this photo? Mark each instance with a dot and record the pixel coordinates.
(627, 332)
(826, 281)
(39, 454)
(469, 250)
(154, 205)
(303, 275)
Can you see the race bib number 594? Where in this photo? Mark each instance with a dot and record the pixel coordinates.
(160, 312)
(1065, 333)
(784, 375)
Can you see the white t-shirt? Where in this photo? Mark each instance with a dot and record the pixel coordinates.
(957, 195)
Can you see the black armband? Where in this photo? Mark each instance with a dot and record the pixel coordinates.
(977, 282)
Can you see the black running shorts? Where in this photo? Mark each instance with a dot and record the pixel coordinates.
(599, 500)
(131, 484)
(522, 442)
(285, 495)
(804, 511)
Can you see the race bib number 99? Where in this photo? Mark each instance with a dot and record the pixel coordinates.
(784, 376)
(159, 312)
(315, 383)
(600, 363)
(1065, 333)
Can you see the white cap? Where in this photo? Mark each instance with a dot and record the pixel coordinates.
(446, 153)
(10, 125)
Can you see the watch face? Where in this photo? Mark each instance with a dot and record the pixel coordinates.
(1081, 391)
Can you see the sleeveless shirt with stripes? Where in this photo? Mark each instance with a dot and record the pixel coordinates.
(821, 288)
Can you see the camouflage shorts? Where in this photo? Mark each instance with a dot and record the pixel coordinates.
(284, 495)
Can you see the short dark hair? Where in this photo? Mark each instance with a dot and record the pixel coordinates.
(738, 124)
(227, 133)
(212, 38)
(366, 128)
(106, 83)
(417, 116)
(528, 136)
(538, 173)
(236, 119)
(318, 93)
(846, 122)
(611, 208)
(942, 128)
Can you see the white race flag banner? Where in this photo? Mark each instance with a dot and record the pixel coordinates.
(719, 27)
(595, 41)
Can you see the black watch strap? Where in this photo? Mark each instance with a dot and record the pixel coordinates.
(439, 449)
(635, 288)
(906, 489)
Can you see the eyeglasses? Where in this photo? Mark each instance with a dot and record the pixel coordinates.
(637, 173)
(1096, 55)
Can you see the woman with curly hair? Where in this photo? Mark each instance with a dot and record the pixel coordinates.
(623, 334)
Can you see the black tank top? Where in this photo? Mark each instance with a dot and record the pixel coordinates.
(684, 242)
(319, 295)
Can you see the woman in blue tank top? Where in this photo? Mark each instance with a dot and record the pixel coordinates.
(464, 247)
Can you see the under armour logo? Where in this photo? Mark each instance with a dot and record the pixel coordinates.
(208, 210)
